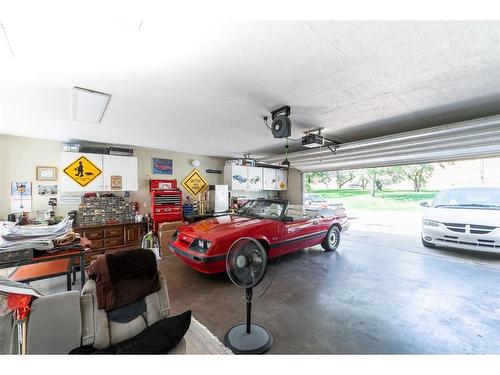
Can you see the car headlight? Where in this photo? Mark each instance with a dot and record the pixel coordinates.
(430, 223)
(200, 245)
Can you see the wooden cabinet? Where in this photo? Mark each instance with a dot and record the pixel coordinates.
(114, 232)
(113, 242)
(112, 237)
(109, 165)
(132, 234)
(94, 234)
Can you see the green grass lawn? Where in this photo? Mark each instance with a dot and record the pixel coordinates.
(394, 200)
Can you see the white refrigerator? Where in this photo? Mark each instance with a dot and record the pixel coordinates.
(218, 198)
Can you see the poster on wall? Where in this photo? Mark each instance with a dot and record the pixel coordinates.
(47, 189)
(162, 166)
(20, 196)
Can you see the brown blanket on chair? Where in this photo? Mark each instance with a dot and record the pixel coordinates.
(124, 277)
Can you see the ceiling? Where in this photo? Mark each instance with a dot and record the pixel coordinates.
(202, 87)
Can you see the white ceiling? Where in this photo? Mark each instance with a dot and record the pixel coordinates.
(203, 87)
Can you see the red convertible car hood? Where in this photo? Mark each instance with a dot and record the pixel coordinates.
(219, 226)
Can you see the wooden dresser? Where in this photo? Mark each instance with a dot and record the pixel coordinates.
(107, 238)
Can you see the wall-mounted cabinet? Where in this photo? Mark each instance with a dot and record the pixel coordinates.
(109, 165)
(281, 181)
(269, 175)
(243, 178)
(236, 177)
(255, 179)
(124, 166)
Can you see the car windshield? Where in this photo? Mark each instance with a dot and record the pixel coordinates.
(482, 198)
(263, 209)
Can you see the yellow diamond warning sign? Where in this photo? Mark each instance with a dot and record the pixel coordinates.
(194, 183)
(82, 171)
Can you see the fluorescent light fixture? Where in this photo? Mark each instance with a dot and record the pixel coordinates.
(89, 105)
(6, 48)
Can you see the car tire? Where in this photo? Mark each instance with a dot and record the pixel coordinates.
(428, 244)
(332, 239)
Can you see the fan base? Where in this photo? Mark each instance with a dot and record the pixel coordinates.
(258, 341)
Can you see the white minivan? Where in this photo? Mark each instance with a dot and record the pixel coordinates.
(463, 218)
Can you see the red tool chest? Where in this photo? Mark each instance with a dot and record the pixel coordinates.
(166, 202)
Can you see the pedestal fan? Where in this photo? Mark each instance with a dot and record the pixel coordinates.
(246, 264)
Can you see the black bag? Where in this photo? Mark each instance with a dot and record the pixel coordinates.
(159, 338)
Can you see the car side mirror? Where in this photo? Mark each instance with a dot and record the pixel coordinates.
(424, 204)
(288, 218)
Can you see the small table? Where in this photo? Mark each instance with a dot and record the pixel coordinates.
(70, 254)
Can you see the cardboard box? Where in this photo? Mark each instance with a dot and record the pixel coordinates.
(164, 237)
(165, 232)
(170, 225)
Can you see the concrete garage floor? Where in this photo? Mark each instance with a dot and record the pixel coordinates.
(377, 295)
(381, 292)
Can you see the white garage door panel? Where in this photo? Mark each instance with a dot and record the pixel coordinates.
(429, 157)
(468, 139)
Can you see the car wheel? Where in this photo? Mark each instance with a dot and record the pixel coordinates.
(428, 244)
(332, 239)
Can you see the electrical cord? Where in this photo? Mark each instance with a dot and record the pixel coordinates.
(272, 278)
(286, 196)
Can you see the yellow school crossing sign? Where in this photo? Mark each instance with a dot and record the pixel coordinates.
(194, 183)
(82, 171)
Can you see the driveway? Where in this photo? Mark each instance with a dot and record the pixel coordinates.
(400, 230)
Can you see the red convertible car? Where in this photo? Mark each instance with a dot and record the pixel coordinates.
(280, 227)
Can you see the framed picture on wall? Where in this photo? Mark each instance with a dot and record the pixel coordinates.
(20, 196)
(46, 173)
(162, 166)
(47, 189)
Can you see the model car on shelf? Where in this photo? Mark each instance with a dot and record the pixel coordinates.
(280, 227)
(239, 178)
(255, 180)
(463, 218)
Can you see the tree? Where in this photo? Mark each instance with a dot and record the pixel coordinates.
(418, 174)
(323, 178)
(378, 177)
(343, 177)
(360, 178)
(314, 178)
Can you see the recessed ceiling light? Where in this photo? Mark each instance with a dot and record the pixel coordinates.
(89, 105)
